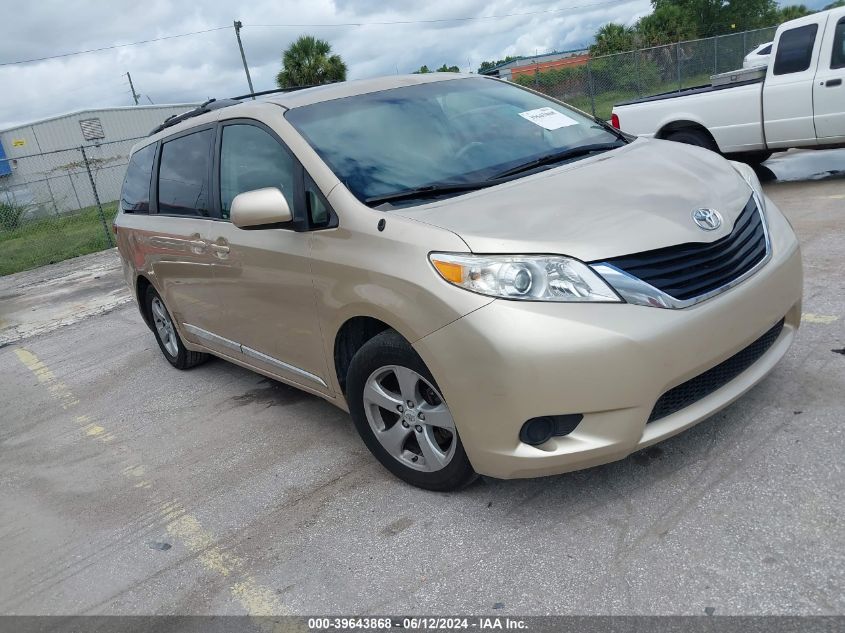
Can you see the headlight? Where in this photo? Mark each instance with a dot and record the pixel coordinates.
(524, 277)
(750, 177)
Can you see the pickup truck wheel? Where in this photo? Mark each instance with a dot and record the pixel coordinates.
(402, 417)
(752, 158)
(694, 137)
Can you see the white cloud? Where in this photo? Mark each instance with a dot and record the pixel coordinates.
(194, 68)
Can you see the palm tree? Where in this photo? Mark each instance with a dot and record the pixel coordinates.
(307, 62)
(612, 38)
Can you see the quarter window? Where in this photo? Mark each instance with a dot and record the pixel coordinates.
(135, 195)
(838, 58)
(183, 175)
(250, 158)
(795, 50)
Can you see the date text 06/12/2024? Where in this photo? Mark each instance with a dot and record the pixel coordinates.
(417, 624)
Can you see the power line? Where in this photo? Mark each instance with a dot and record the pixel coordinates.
(314, 25)
(112, 47)
(438, 20)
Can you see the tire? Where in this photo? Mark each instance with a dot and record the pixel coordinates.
(162, 325)
(754, 159)
(694, 137)
(418, 445)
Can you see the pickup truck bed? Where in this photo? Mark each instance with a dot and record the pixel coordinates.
(695, 90)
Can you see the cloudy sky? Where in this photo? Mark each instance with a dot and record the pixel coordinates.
(192, 68)
(196, 67)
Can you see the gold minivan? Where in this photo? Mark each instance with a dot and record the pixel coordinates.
(488, 280)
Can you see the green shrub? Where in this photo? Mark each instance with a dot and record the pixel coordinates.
(11, 215)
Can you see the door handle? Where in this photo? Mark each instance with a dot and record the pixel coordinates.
(220, 248)
(830, 83)
(197, 244)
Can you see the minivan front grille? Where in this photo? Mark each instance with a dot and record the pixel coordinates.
(690, 270)
(703, 385)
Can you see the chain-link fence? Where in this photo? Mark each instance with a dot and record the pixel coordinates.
(59, 204)
(598, 83)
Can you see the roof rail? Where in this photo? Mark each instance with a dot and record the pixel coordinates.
(208, 106)
(214, 104)
(274, 91)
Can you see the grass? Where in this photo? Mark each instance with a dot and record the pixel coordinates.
(54, 239)
(606, 100)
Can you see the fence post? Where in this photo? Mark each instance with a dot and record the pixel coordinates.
(638, 79)
(536, 78)
(716, 55)
(52, 197)
(678, 56)
(591, 87)
(744, 44)
(96, 196)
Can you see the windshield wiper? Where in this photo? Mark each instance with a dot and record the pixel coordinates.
(557, 157)
(428, 191)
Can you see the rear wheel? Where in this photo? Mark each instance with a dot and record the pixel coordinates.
(752, 158)
(694, 137)
(166, 335)
(402, 416)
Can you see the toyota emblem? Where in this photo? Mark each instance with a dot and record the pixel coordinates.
(707, 219)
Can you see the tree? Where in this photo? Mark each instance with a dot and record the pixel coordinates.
(612, 38)
(833, 5)
(443, 69)
(307, 62)
(793, 12)
(665, 25)
(488, 65)
(744, 15)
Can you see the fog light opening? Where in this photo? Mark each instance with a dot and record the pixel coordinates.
(537, 431)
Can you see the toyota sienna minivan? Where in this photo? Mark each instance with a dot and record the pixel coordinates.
(488, 280)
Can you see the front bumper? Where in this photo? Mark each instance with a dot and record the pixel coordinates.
(511, 361)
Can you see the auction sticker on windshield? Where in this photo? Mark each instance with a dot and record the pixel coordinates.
(548, 118)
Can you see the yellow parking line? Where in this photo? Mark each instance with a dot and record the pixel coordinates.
(824, 319)
(182, 526)
(57, 388)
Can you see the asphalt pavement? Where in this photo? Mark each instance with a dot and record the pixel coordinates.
(128, 487)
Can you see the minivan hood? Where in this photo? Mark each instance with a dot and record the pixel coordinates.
(637, 198)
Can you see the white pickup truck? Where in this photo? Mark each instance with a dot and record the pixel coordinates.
(798, 102)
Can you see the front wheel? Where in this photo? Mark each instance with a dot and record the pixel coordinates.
(403, 418)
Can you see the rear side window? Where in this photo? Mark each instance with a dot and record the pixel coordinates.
(183, 175)
(838, 58)
(766, 50)
(135, 195)
(795, 50)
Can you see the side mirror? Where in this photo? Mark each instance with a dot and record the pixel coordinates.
(260, 207)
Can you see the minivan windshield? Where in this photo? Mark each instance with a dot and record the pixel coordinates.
(431, 139)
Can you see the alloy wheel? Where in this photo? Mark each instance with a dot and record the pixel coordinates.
(164, 327)
(410, 418)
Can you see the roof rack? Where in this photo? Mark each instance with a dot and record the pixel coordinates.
(214, 104)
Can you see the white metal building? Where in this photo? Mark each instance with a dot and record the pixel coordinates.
(41, 163)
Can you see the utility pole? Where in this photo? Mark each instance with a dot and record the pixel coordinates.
(135, 95)
(238, 26)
